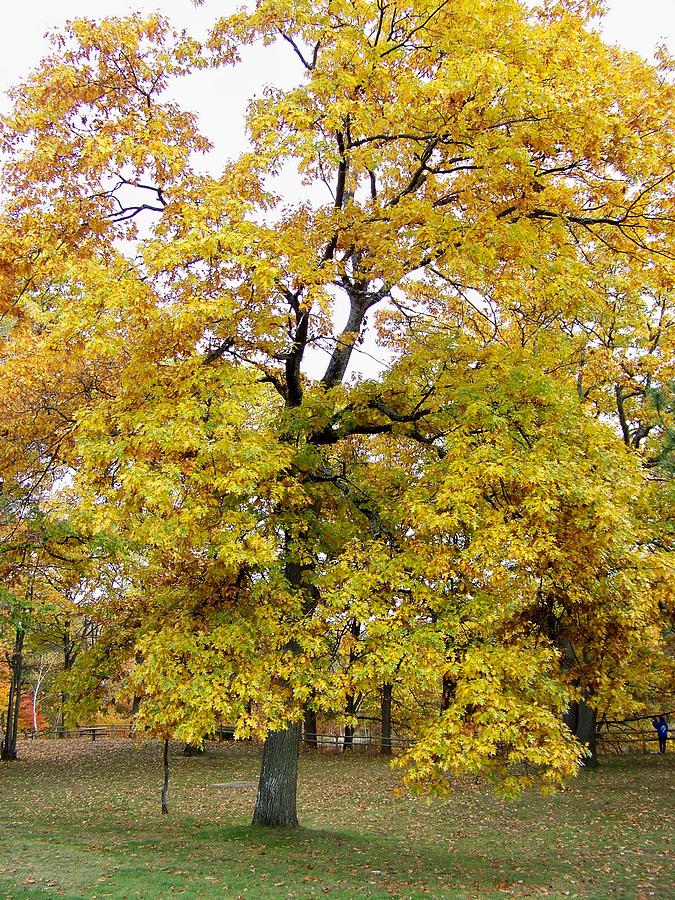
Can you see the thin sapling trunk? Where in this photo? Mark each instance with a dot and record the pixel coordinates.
(165, 786)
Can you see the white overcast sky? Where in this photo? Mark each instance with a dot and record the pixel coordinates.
(221, 97)
(636, 24)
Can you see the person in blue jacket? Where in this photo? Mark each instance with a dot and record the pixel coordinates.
(662, 730)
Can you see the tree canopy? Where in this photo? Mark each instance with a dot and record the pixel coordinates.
(483, 204)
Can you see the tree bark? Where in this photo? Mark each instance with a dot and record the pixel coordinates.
(447, 692)
(353, 702)
(41, 675)
(587, 734)
(571, 717)
(581, 719)
(275, 805)
(385, 707)
(69, 657)
(350, 709)
(8, 751)
(309, 728)
(137, 698)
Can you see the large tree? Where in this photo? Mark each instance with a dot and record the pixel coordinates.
(459, 500)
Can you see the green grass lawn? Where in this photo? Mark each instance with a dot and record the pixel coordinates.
(81, 819)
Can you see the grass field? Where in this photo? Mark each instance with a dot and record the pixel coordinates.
(81, 819)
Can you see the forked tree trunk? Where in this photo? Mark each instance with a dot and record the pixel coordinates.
(385, 707)
(8, 751)
(275, 805)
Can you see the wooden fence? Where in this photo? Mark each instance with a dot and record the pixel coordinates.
(634, 735)
(119, 730)
(224, 733)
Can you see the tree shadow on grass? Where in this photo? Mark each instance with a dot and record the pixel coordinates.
(346, 864)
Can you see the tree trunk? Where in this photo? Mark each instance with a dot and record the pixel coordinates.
(309, 728)
(350, 709)
(165, 786)
(353, 702)
(586, 733)
(8, 751)
(192, 750)
(385, 707)
(9, 744)
(69, 657)
(447, 693)
(35, 696)
(571, 717)
(275, 804)
(581, 719)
